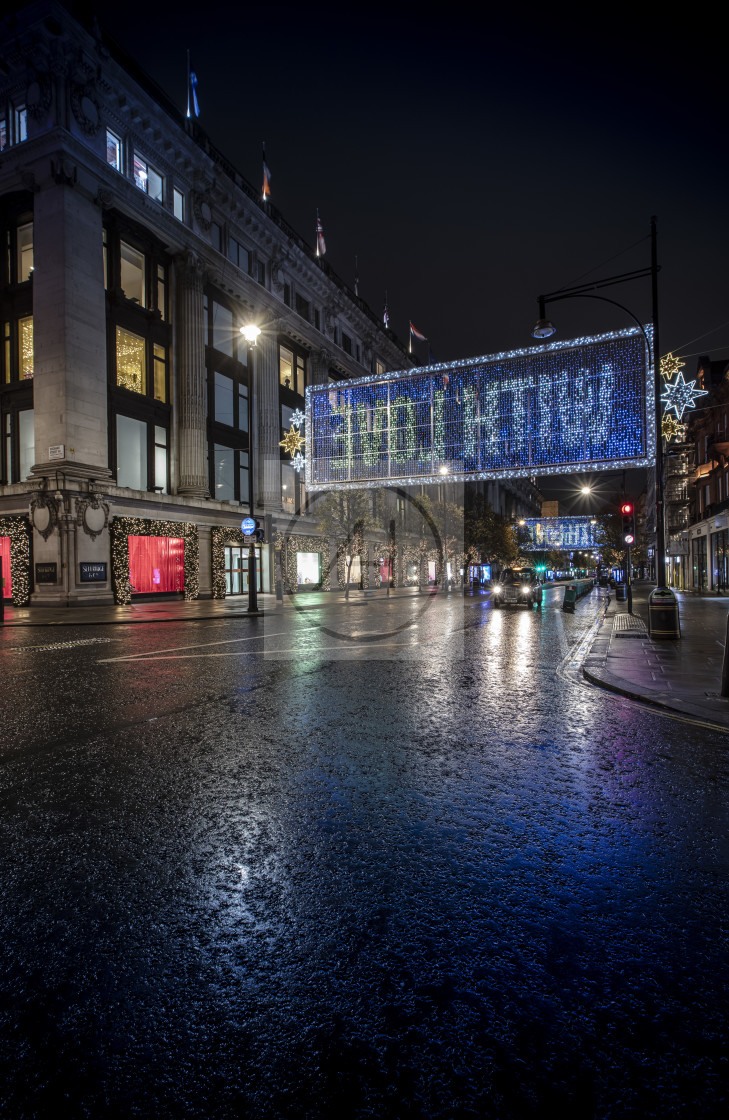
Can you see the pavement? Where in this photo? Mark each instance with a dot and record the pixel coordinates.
(682, 676)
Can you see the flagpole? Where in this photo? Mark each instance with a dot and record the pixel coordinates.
(188, 85)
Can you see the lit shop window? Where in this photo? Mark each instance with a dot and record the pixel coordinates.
(288, 488)
(113, 150)
(131, 361)
(25, 347)
(147, 179)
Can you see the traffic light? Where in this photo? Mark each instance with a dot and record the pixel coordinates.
(259, 532)
(627, 510)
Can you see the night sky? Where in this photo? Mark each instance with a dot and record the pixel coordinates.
(472, 160)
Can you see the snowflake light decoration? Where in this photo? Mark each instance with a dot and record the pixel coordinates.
(299, 461)
(293, 441)
(671, 366)
(298, 418)
(679, 395)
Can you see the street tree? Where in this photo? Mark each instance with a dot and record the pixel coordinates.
(345, 517)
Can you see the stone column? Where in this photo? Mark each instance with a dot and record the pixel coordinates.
(268, 425)
(191, 427)
(319, 367)
(69, 316)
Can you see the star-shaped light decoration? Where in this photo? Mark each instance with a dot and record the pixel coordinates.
(679, 395)
(299, 461)
(293, 441)
(670, 366)
(297, 418)
(670, 427)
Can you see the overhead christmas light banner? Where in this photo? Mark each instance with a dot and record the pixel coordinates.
(548, 409)
(561, 533)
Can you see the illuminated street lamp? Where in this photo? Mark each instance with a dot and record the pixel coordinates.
(250, 333)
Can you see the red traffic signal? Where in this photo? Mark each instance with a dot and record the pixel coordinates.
(627, 510)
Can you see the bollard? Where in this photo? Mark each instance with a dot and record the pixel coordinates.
(725, 666)
(570, 597)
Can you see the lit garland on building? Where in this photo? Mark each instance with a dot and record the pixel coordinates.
(122, 528)
(18, 530)
(219, 538)
(536, 411)
(27, 361)
(290, 545)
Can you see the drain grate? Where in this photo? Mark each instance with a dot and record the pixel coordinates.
(62, 645)
(628, 626)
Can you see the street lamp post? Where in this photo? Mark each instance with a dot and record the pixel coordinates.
(666, 601)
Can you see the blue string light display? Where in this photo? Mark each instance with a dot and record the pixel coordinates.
(560, 533)
(544, 410)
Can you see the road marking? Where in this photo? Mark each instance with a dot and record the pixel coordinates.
(198, 645)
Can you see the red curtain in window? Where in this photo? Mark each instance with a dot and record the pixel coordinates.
(5, 555)
(156, 564)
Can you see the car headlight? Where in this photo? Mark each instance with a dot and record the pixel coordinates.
(498, 590)
(526, 589)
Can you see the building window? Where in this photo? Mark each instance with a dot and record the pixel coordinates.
(346, 343)
(24, 252)
(131, 361)
(317, 319)
(291, 370)
(18, 446)
(216, 236)
(25, 347)
(303, 307)
(178, 204)
(113, 150)
(141, 454)
(13, 126)
(230, 474)
(133, 274)
(239, 255)
(287, 295)
(262, 273)
(379, 367)
(147, 179)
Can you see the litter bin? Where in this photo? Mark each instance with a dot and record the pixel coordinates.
(621, 592)
(570, 598)
(663, 621)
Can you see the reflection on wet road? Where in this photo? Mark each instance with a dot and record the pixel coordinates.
(389, 859)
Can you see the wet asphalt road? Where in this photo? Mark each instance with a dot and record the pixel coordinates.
(271, 868)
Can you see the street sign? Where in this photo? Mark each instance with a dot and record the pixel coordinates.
(248, 525)
(249, 538)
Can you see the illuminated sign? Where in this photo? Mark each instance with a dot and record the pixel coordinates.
(548, 409)
(547, 533)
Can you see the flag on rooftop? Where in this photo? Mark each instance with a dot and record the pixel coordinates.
(321, 245)
(415, 333)
(266, 192)
(386, 313)
(192, 102)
